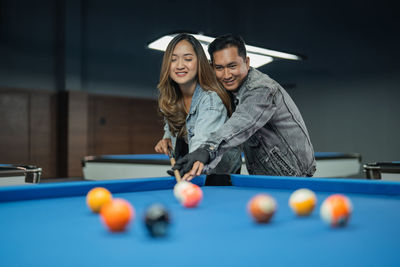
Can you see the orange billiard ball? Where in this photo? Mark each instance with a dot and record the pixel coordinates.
(303, 201)
(117, 214)
(97, 197)
(261, 208)
(336, 210)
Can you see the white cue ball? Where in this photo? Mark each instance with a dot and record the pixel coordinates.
(179, 187)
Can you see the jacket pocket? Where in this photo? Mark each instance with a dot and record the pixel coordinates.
(256, 155)
(280, 164)
(263, 161)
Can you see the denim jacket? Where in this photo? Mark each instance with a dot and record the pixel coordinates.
(270, 128)
(207, 114)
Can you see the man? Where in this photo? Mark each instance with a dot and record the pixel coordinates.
(266, 122)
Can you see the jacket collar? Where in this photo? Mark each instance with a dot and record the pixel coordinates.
(254, 79)
(248, 79)
(195, 99)
(245, 82)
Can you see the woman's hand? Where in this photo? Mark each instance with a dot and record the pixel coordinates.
(163, 146)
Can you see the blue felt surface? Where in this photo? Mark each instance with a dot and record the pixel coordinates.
(63, 232)
(319, 184)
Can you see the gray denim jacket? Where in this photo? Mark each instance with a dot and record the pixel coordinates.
(270, 128)
(207, 114)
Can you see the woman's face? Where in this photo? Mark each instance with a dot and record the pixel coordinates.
(183, 68)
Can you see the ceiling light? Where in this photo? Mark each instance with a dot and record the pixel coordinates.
(258, 56)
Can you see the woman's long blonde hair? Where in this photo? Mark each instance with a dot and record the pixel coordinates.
(170, 100)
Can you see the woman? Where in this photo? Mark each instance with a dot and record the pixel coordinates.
(192, 102)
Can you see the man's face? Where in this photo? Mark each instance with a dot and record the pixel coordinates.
(230, 68)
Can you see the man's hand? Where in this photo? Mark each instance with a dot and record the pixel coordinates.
(195, 171)
(193, 162)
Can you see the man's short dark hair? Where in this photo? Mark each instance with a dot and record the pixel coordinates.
(226, 41)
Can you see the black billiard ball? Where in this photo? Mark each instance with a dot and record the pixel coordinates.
(157, 220)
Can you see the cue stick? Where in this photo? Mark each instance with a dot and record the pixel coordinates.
(176, 172)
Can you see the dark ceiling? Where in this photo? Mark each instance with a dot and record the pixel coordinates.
(341, 38)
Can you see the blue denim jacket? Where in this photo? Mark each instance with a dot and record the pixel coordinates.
(270, 128)
(207, 114)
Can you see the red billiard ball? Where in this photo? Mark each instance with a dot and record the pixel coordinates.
(191, 196)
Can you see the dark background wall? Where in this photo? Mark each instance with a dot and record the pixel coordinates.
(347, 89)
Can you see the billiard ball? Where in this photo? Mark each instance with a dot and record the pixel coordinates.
(191, 196)
(117, 214)
(262, 207)
(97, 197)
(178, 189)
(157, 220)
(336, 210)
(302, 201)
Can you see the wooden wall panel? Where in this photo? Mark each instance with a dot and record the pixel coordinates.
(77, 132)
(55, 130)
(119, 125)
(28, 132)
(43, 133)
(14, 127)
(146, 126)
(109, 125)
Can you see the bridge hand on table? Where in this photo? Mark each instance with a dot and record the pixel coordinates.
(192, 164)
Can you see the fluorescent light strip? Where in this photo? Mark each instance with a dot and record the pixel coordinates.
(269, 52)
(258, 56)
(162, 43)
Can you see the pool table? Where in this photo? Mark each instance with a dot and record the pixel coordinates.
(50, 225)
(105, 167)
(14, 174)
(389, 171)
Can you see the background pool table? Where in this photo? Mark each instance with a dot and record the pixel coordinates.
(389, 171)
(106, 167)
(50, 225)
(13, 174)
